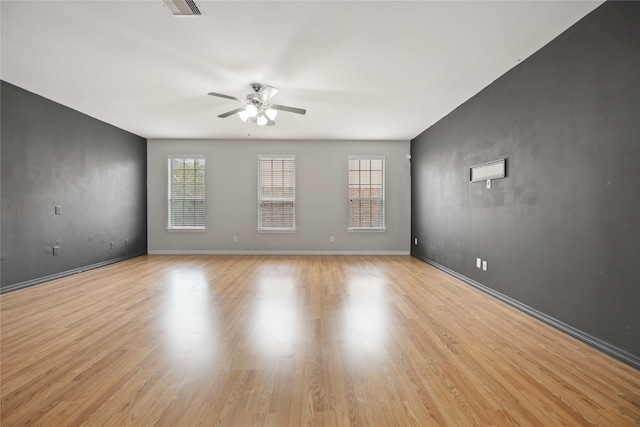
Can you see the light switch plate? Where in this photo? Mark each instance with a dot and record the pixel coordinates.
(478, 262)
(484, 265)
(58, 210)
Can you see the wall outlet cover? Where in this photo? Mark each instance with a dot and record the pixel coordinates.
(484, 265)
(478, 262)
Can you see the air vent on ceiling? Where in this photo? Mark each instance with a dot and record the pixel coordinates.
(183, 7)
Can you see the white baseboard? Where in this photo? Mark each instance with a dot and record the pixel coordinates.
(39, 280)
(230, 252)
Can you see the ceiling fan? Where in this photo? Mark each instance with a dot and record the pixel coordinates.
(257, 107)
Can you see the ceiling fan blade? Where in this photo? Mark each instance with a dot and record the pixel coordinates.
(289, 109)
(220, 95)
(231, 113)
(266, 92)
(270, 122)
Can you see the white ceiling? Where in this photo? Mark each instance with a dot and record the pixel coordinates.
(373, 70)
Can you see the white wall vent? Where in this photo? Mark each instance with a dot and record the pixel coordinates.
(488, 171)
(183, 7)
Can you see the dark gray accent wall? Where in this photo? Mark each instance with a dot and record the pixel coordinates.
(561, 233)
(55, 156)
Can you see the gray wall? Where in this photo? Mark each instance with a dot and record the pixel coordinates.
(321, 198)
(561, 233)
(53, 155)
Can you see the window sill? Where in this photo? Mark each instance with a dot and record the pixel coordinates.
(361, 230)
(187, 229)
(276, 230)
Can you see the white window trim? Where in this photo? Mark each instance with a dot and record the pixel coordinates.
(262, 229)
(384, 196)
(168, 181)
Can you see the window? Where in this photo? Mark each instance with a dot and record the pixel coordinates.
(186, 193)
(366, 193)
(276, 193)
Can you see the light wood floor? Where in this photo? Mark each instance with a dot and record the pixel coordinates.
(293, 341)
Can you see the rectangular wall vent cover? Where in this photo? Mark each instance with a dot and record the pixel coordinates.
(183, 7)
(486, 171)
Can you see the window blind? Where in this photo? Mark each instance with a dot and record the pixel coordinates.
(186, 192)
(276, 193)
(366, 193)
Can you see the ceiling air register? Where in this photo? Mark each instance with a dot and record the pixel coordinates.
(183, 7)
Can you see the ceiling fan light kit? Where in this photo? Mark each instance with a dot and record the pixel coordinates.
(257, 107)
(251, 110)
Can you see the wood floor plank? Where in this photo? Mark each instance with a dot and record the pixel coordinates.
(293, 341)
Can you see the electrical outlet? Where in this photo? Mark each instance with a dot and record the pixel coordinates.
(58, 210)
(415, 241)
(331, 239)
(235, 238)
(488, 183)
(478, 263)
(113, 245)
(56, 250)
(484, 265)
(126, 242)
